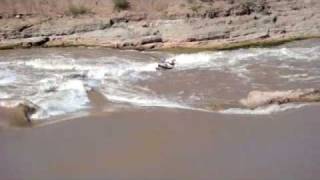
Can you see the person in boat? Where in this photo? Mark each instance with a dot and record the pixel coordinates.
(167, 64)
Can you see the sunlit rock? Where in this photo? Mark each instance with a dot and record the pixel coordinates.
(259, 98)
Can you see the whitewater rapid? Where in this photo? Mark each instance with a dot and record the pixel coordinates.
(58, 82)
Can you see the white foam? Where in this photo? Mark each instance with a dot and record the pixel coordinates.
(263, 110)
(55, 98)
(48, 84)
(97, 74)
(198, 60)
(70, 96)
(299, 77)
(7, 77)
(236, 57)
(49, 64)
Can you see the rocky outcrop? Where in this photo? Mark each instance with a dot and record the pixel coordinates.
(25, 43)
(13, 28)
(19, 115)
(230, 24)
(260, 99)
(67, 26)
(257, 99)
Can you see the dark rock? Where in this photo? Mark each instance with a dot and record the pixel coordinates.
(274, 19)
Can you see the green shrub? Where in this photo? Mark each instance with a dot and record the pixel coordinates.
(121, 4)
(75, 10)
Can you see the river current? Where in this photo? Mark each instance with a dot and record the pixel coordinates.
(58, 80)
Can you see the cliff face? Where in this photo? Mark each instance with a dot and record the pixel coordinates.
(185, 24)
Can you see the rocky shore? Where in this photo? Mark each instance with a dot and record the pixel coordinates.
(271, 23)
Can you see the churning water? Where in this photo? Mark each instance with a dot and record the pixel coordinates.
(58, 80)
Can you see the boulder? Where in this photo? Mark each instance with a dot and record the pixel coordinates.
(19, 114)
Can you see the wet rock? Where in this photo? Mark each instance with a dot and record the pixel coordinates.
(257, 99)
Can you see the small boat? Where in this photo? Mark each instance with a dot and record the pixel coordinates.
(167, 64)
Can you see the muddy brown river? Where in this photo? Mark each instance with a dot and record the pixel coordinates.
(108, 114)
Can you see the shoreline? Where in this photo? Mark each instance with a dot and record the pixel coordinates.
(186, 47)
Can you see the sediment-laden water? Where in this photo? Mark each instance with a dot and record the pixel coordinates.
(58, 80)
(133, 122)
